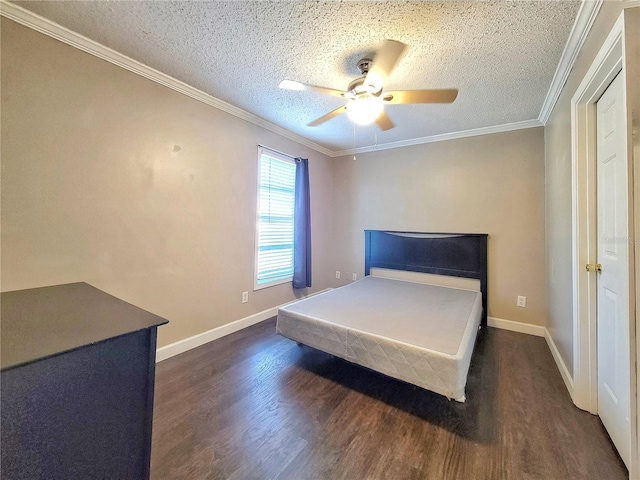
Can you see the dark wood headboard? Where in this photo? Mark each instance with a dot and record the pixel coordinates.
(453, 254)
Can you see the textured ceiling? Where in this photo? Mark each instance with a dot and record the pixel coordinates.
(501, 55)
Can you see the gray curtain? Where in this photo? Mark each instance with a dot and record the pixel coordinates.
(302, 227)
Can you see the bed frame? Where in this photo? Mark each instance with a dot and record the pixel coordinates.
(453, 254)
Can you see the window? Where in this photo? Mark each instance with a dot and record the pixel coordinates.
(274, 236)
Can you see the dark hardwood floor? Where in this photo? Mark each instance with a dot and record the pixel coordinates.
(254, 405)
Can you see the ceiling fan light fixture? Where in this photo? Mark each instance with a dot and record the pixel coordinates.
(365, 109)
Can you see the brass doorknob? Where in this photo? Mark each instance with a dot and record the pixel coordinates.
(594, 267)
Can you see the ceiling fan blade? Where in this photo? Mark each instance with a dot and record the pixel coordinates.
(420, 96)
(384, 122)
(328, 116)
(383, 63)
(291, 85)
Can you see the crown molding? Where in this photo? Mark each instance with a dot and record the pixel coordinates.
(507, 127)
(584, 20)
(581, 27)
(632, 3)
(47, 27)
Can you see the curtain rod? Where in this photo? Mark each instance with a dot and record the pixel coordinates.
(277, 151)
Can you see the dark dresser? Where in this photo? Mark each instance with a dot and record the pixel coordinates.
(77, 378)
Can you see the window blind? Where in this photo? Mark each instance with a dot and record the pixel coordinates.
(276, 190)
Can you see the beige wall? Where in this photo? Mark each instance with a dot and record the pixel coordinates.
(145, 193)
(558, 215)
(489, 184)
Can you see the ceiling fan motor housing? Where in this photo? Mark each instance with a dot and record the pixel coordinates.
(357, 87)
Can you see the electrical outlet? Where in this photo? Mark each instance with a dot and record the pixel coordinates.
(522, 301)
(245, 297)
(337, 274)
(354, 277)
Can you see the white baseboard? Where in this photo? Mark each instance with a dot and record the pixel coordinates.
(182, 346)
(186, 344)
(564, 371)
(519, 327)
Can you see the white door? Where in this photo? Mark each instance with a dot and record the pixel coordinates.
(613, 281)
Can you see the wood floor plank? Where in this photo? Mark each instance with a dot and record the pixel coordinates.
(254, 405)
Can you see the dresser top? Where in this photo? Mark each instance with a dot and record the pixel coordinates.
(42, 322)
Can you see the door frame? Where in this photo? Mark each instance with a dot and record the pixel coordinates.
(608, 63)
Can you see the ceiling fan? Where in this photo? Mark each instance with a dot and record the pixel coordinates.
(365, 95)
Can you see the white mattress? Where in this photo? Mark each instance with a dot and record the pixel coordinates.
(422, 334)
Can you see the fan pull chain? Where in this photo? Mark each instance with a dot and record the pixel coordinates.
(354, 141)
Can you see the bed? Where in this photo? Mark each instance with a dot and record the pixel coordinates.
(414, 316)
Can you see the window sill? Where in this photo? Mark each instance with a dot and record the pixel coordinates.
(257, 287)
